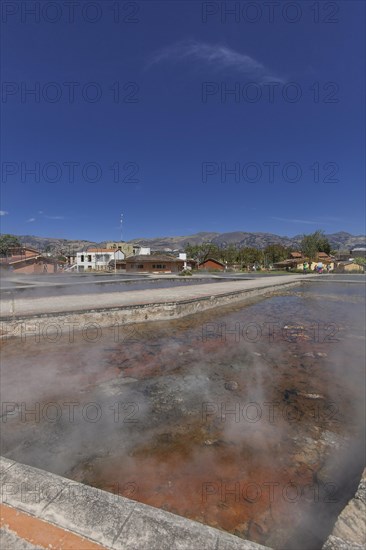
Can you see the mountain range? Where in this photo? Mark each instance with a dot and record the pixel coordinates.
(338, 241)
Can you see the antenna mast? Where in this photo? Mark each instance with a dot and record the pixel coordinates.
(121, 223)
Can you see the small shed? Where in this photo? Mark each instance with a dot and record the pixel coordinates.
(211, 264)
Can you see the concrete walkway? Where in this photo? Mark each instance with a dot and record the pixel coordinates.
(85, 301)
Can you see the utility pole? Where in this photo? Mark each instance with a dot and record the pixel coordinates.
(115, 261)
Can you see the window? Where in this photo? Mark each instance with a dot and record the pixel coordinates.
(89, 258)
(82, 258)
(140, 266)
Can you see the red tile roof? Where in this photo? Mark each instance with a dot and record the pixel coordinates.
(212, 260)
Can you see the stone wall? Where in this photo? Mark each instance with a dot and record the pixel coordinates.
(12, 326)
(349, 531)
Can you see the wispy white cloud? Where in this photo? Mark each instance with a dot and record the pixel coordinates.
(3, 213)
(294, 220)
(219, 57)
(46, 216)
(333, 219)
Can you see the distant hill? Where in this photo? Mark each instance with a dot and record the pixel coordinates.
(338, 241)
(52, 244)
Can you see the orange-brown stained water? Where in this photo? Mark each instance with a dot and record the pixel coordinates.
(218, 485)
(243, 477)
(254, 479)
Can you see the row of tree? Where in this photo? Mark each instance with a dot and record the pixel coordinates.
(231, 254)
(247, 256)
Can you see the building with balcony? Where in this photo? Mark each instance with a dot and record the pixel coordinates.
(98, 259)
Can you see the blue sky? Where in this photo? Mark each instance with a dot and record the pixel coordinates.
(133, 114)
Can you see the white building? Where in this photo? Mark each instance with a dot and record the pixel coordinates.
(183, 256)
(98, 259)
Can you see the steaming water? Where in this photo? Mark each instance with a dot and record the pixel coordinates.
(249, 418)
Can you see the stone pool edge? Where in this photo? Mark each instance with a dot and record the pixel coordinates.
(13, 325)
(349, 531)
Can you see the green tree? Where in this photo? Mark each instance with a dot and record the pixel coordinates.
(323, 244)
(275, 253)
(229, 254)
(248, 256)
(8, 241)
(314, 243)
(360, 261)
(201, 252)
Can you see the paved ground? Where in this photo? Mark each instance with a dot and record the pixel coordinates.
(11, 541)
(86, 301)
